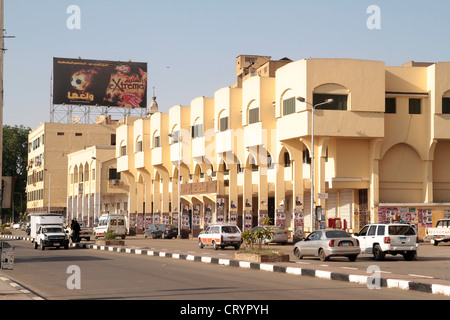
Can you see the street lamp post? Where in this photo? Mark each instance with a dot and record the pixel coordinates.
(171, 135)
(328, 101)
(97, 212)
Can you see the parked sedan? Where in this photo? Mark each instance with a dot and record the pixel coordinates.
(149, 230)
(328, 243)
(280, 235)
(165, 231)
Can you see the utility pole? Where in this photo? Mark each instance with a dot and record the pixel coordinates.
(2, 53)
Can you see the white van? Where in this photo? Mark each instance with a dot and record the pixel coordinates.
(114, 222)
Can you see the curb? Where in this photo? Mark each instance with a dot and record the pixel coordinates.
(22, 289)
(308, 272)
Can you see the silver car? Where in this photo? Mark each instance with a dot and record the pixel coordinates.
(328, 243)
(279, 235)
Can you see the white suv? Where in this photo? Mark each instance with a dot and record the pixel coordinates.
(219, 235)
(381, 239)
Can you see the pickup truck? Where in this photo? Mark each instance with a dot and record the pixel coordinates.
(51, 236)
(441, 233)
(85, 232)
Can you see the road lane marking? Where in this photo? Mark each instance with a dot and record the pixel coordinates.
(420, 276)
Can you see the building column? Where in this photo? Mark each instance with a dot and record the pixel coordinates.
(374, 191)
(427, 181)
(280, 196)
(247, 201)
(233, 192)
(298, 199)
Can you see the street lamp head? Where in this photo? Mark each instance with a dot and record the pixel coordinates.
(301, 99)
(328, 101)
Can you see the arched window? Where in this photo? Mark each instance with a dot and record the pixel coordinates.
(446, 103)
(223, 121)
(338, 93)
(252, 112)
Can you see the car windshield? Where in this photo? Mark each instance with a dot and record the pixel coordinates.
(337, 234)
(52, 229)
(401, 231)
(230, 229)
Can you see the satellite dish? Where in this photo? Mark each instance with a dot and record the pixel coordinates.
(100, 119)
(76, 119)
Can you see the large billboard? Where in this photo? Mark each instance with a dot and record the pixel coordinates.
(99, 83)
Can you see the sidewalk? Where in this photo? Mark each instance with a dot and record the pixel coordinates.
(187, 249)
(9, 290)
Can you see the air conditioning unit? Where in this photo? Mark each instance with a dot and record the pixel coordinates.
(115, 182)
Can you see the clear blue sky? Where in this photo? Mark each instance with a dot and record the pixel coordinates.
(191, 45)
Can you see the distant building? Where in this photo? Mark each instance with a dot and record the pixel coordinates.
(48, 148)
(94, 186)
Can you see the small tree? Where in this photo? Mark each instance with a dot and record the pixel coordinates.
(249, 238)
(110, 235)
(262, 234)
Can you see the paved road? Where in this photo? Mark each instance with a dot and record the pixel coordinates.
(432, 262)
(111, 275)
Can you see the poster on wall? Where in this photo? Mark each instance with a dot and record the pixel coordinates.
(184, 221)
(261, 215)
(207, 219)
(386, 214)
(447, 214)
(196, 218)
(233, 217)
(140, 222)
(280, 218)
(425, 218)
(298, 221)
(175, 218)
(248, 219)
(165, 219)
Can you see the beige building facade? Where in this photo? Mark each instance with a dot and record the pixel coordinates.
(48, 148)
(245, 153)
(94, 187)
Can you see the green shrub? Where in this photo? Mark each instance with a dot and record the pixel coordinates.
(110, 235)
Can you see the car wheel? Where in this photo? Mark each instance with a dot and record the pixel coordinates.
(352, 258)
(35, 245)
(322, 255)
(236, 247)
(409, 256)
(215, 246)
(42, 247)
(200, 244)
(378, 254)
(435, 242)
(298, 253)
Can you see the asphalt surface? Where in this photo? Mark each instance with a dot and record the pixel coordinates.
(434, 281)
